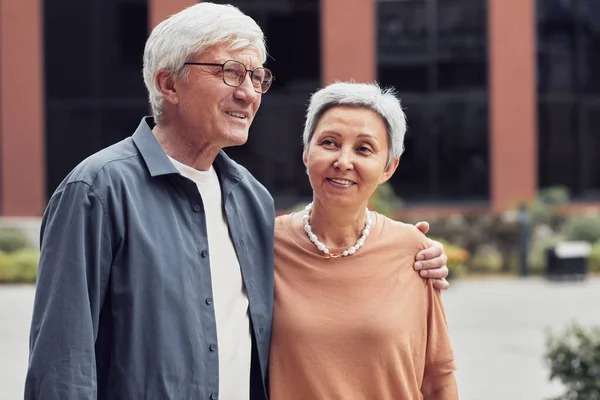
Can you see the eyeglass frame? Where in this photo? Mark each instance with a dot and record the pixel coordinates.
(222, 65)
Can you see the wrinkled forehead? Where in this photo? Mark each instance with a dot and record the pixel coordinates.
(352, 120)
(224, 51)
(345, 113)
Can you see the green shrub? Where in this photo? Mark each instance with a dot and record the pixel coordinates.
(384, 200)
(594, 259)
(8, 271)
(487, 260)
(582, 227)
(574, 358)
(554, 195)
(20, 266)
(543, 209)
(25, 262)
(12, 239)
(513, 262)
(537, 255)
(456, 269)
(474, 231)
(457, 257)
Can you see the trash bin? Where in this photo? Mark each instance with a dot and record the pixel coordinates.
(568, 260)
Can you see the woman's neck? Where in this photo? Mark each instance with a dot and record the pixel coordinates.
(337, 228)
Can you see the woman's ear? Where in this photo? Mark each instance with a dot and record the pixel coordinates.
(305, 157)
(166, 85)
(389, 170)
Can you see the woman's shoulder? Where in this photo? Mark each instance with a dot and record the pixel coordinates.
(289, 233)
(398, 230)
(283, 221)
(286, 224)
(398, 226)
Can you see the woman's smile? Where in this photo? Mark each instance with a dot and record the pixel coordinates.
(340, 183)
(346, 159)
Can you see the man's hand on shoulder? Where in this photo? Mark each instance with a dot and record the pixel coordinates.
(431, 262)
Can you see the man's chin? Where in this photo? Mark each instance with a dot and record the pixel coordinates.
(237, 139)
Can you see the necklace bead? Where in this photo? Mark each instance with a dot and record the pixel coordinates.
(351, 250)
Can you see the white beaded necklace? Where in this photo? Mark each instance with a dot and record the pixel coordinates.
(351, 250)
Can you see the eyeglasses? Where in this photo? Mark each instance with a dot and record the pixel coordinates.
(234, 73)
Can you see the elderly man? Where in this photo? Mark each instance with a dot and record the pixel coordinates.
(156, 271)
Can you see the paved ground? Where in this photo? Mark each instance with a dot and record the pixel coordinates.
(16, 303)
(497, 327)
(498, 331)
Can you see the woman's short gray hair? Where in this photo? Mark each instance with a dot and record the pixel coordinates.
(366, 95)
(192, 31)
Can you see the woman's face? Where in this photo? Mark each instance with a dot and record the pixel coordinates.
(346, 157)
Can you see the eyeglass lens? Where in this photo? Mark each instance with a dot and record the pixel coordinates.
(234, 73)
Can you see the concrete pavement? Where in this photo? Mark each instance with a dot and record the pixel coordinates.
(498, 331)
(16, 303)
(497, 327)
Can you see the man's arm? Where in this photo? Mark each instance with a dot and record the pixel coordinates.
(431, 262)
(75, 259)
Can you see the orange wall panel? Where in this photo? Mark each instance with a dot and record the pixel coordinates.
(513, 101)
(348, 40)
(162, 9)
(22, 157)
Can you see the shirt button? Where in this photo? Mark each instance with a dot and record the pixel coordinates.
(197, 208)
(204, 253)
(212, 347)
(208, 301)
(213, 396)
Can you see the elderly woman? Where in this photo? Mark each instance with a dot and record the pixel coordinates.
(352, 320)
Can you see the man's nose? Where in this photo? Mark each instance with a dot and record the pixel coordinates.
(246, 90)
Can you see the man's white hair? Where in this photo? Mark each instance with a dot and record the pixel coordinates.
(366, 95)
(192, 31)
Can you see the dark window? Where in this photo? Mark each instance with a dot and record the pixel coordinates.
(591, 145)
(273, 153)
(568, 46)
(558, 150)
(132, 41)
(434, 52)
(461, 45)
(404, 45)
(95, 94)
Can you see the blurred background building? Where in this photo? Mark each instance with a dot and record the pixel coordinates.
(502, 96)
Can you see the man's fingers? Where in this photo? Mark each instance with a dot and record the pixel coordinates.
(432, 253)
(441, 284)
(423, 226)
(437, 273)
(437, 262)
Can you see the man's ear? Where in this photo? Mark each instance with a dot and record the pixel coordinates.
(389, 170)
(166, 85)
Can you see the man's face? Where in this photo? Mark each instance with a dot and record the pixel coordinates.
(214, 113)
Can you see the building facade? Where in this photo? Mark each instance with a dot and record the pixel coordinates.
(502, 96)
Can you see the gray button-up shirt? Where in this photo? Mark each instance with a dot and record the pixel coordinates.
(123, 307)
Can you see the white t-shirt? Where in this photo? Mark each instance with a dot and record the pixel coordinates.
(229, 295)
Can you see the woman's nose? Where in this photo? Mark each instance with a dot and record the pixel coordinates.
(344, 161)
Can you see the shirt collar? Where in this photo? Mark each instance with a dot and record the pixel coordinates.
(154, 156)
(158, 162)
